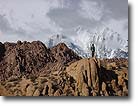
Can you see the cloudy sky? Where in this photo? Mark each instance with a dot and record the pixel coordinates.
(38, 19)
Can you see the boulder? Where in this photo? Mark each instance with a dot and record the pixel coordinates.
(85, 72)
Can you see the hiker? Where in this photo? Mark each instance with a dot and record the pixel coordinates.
(92, 50)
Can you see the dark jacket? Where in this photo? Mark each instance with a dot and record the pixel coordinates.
(92, 48)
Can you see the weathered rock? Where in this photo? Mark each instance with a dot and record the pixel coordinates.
(50, 89)
(63, 54)
(30, 90)
(85, 90)
(36, 93)
(33, 59)
(85, 71)
(45, 90)
(58, 92)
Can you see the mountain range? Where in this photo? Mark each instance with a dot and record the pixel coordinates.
(108, 43)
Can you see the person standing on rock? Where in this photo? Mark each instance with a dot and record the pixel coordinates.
(92, 49)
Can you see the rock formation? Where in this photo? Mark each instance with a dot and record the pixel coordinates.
(97, 80)
(86, 73)
(30, 59)
(32, 69)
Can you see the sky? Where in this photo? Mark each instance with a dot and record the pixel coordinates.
(38, 19)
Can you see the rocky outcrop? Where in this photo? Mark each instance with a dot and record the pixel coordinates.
(33, 59)
(86, 74)
(81, 78)
(94, 79)
(32, 69)
(63, 54)
(24, 58)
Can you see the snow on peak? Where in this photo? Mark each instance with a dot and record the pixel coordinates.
(108, 43)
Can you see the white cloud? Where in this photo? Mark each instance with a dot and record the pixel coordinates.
(37, 19)
(91, 10)
(0, 33)
(120, 26)
(30, 16)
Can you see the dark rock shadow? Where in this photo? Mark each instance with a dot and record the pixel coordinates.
(107, 76)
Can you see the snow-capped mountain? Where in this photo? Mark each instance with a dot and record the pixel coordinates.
(108, 43)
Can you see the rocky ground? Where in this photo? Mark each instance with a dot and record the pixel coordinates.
(32, 69)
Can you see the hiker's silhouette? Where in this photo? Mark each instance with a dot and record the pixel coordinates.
(92, 49)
